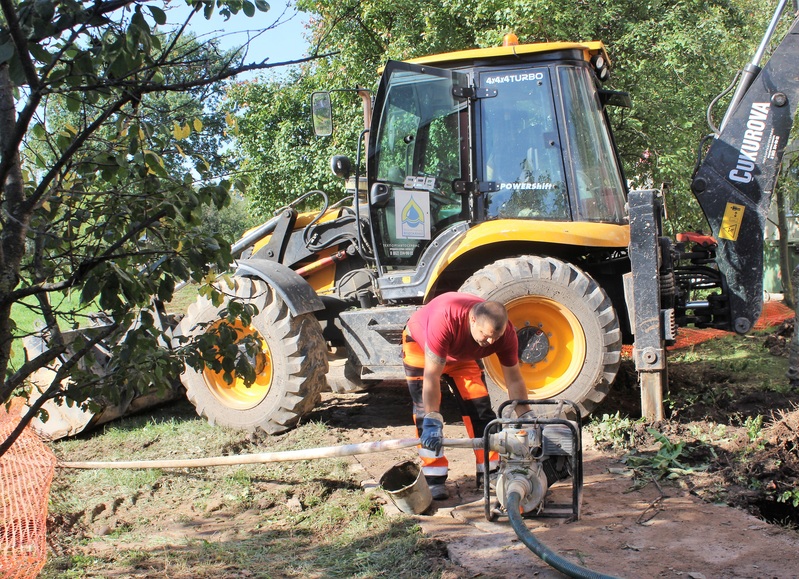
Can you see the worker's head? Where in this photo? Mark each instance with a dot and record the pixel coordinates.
(487, 321)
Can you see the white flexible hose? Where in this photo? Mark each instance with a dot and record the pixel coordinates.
(285, 456)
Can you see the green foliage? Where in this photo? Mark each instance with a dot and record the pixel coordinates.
(113, 147)
(754, 427)
(790, 496)
(665, 463)
(673, 58)
(614, 430)
(279, 149)
(231, 221)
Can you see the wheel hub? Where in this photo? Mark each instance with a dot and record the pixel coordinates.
(533, 345)
(257, 360)
(552, 346)
(238, 394)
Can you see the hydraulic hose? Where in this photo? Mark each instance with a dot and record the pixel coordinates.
(547, 555)
(284, 456)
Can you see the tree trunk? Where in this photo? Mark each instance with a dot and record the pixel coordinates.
(14, 219)
(784, 249)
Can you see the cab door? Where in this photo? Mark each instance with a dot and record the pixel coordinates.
(419, 151)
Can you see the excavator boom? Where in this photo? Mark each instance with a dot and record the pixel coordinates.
(737, 177)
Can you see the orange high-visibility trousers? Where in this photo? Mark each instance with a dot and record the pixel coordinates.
(466, 382)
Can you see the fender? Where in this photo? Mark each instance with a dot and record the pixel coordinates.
(289, 285)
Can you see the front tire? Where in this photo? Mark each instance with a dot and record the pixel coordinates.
(569, 336)
(291, 364)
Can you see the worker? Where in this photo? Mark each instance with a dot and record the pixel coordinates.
(446, 338)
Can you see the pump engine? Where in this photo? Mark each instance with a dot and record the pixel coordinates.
(535, 452)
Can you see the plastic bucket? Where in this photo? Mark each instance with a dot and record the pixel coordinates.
(407, 487)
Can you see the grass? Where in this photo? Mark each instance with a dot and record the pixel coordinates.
(297, 519)
(736, 355)
(716, 373)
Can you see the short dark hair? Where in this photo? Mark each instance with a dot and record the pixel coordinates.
(493, 312)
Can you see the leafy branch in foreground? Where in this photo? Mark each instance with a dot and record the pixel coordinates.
(666, 463)
(110, 148)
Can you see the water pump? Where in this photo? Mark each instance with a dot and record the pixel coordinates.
(534, 454)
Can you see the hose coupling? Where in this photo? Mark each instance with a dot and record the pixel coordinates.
(517, 482)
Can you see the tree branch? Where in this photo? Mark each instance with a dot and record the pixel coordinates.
(20, 42)
(55, 386)
(86, 266)
(76, 144)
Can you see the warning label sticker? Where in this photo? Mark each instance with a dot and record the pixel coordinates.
(731, 222)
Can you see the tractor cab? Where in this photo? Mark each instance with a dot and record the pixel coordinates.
(516, 132)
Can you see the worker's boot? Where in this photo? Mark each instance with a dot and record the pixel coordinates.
(439, 492)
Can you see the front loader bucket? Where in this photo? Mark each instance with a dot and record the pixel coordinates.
(68, 419)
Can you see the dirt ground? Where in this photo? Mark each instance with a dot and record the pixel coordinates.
(681, 528)
(660, 530)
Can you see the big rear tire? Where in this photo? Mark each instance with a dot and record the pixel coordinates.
(569, 336)
(291, 364)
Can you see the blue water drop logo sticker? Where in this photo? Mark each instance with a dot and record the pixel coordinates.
(413, 209)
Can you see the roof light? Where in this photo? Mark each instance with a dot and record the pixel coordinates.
(601, 67)
(510, 40)
(598, 61)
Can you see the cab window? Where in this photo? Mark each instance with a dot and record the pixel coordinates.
(521, 147)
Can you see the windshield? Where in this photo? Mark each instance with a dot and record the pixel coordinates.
(521, 147)
(419, 152)
(524, 138)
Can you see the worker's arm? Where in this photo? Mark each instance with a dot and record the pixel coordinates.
(433, 423)
(431, 382)
(517, 389)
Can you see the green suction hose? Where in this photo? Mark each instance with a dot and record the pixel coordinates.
(547, 555)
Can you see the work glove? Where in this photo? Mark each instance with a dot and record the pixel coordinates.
(433, 432)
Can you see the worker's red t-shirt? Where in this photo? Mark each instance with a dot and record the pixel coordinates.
(443, 326)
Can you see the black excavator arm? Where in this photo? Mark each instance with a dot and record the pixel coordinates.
(735, 180)
(733, 185)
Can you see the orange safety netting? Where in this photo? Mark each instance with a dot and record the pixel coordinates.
(26, 472)
(773, 314)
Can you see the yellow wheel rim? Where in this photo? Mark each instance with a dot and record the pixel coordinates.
(237, 394)
(559, 352)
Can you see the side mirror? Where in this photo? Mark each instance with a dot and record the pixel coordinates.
(322, 114)
(380, 195)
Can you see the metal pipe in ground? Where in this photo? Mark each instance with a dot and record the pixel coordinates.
(284, 456)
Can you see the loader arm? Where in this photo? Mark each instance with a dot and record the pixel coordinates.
(735, 181)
